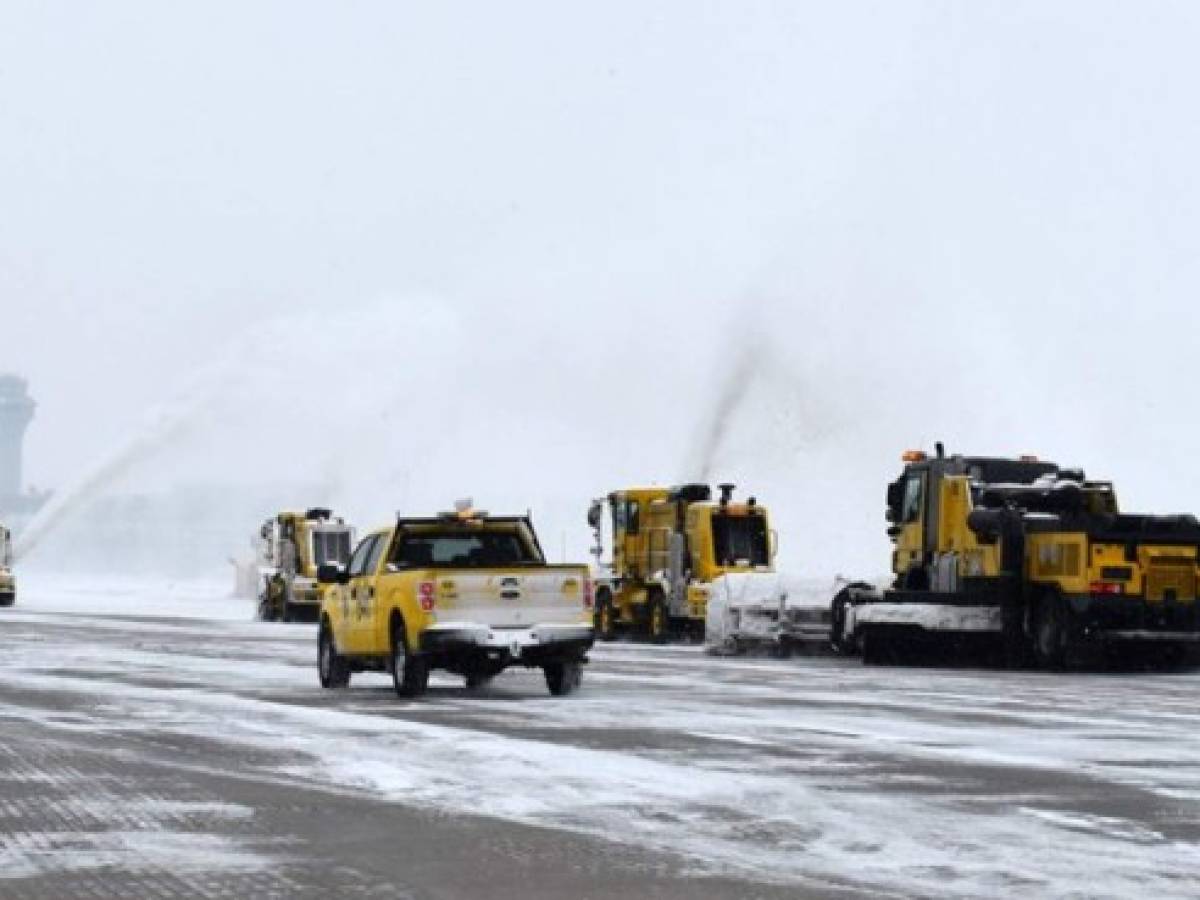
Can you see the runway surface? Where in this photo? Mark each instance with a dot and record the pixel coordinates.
(155, 742)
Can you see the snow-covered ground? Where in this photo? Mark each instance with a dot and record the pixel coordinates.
(803, 773)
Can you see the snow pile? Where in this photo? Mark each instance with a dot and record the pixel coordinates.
(130, 596)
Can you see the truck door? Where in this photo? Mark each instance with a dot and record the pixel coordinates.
(355, 597)
(627, 515)
(369, 625)
(910, 539)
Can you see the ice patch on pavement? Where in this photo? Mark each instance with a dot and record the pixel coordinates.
(178, 852)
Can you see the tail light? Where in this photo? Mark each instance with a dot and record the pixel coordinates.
(589, 594)
(1106, 588)
(427, 594)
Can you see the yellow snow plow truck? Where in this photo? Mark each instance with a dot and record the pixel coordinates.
(683, 562)
(292, 547)
(1027, 558)
(463, 591)
(8, 581)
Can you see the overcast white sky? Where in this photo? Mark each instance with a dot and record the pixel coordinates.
(411, 251)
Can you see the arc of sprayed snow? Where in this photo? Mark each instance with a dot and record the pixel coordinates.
(164, 426)
(243, 361)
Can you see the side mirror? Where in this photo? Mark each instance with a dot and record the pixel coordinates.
(891, 515)
(595, 512)
(894, 532)
(332, 573)
(895, 494)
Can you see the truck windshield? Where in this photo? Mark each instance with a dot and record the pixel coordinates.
(331, 547)
(740, 541)
(459, 550)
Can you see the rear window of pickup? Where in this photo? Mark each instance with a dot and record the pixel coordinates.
(462, 550)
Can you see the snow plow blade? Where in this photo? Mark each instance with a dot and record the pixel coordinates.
(758, 613)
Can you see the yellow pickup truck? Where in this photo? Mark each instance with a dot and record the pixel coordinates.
(465, 592)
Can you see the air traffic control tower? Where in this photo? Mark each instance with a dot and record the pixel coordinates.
(16, 412)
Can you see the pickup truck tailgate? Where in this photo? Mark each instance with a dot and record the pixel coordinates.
(513, 599)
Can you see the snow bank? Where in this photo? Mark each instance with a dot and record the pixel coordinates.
(114, 595)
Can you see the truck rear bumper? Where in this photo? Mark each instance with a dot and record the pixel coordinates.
(533, 644)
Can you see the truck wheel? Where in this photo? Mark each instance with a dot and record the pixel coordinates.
(843, 643)
(563, 678)
(1050, 633)
(876, 650)
(606, 620)
(410, 671)
(332, 667)
(657, 622)
(477, 680)
(265, 601)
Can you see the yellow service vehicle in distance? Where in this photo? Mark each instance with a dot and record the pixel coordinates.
(8, 581)
(466, 592)
(671, 547)
(1032, 558)
(292, 547)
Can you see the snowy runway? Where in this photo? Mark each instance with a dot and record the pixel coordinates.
(150, 735)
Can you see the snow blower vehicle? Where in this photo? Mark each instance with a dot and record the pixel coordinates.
(292, 548)
(1026, 561)
(684, 564)
(8, 581)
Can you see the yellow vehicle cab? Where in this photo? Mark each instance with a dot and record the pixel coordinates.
(671, 548)
(1036, 557)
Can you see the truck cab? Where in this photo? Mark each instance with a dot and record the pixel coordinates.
(464, 591)
(670, 546)
(8, 581)
(1033, 553)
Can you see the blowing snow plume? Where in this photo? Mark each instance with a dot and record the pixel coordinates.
(731, 395)
(259, 423)
(167, 423)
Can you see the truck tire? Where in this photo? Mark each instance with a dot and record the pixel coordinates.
(877, 650)
(843, 644)
(1050, 639)
(478, 680)
(658, 623)
(332, 668)
(410, 671)
(606, 621)
(264, 601)
(563, 678)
